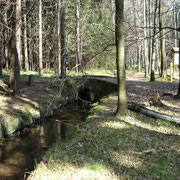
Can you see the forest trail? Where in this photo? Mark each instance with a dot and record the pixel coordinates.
(141, 91)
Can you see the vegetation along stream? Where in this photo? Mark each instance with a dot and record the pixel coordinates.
(18, 155)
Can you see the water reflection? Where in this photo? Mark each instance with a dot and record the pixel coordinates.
(17, 155)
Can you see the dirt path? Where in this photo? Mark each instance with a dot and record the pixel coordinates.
(140, 90)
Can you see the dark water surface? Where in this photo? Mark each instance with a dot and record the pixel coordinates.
(18, 154)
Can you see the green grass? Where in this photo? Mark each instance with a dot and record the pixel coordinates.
(160, 79)
(135, 147)
(50, 73)
(97, 72)
(47, 74)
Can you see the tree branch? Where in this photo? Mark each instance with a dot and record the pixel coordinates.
(105, 48)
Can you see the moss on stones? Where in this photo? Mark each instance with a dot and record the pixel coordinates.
(11, 124)
(32, 111)
(26, 119)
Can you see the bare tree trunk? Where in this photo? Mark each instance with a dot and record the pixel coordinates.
(139, 58)
(78, 37)
(1, 46)
(17, 50)
(150, 33)
(26, 61)
(36, 43)
(162, 43)
(63, 43)
(30, 46)
(113, 11)
(145, 41)
(136, 34)
(6, 54)
(18, 31)
(175, 24)
(76, 66)
(178, 93)
(40, 40)
(120, 62)
(14, 79)
(152, 78)
(57, 63)
(157, 58)
(0, 60)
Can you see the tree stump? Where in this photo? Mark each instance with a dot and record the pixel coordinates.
(155, 101)
(30, 81)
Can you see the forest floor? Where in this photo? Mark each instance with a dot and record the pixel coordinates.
(135, 147)
(139, 90)
(13, 109)
(143, 92)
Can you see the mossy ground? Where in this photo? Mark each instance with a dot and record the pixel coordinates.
(105, 147)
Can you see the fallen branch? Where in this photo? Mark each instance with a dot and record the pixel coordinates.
(154, 114)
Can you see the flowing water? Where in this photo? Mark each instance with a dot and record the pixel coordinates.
(19, 154)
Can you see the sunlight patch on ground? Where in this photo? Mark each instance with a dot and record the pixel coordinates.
(89, 171)
(114, 125)
(153, 127)
(126, 160)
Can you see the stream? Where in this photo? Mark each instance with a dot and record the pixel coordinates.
(18, 155)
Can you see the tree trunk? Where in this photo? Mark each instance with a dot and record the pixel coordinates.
(113, 11)
(120, 62)
(6, 53)
(17, 50)
(0, 60)
(18, 31)
(175, 25)
(63, 43)
(145, 41)
(178, 93)
(14, 79)
(26, 61)
(57, 63)
(30, 47)
(162, 43)
(139, 58)
(136, 34)
(150, 33)
(36, 44)
(78, 37)
(157, 66)
(152, 78)
(40, 39)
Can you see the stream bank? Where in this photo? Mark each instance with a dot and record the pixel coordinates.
(42, 98)
(104, 147)
(19, 155)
